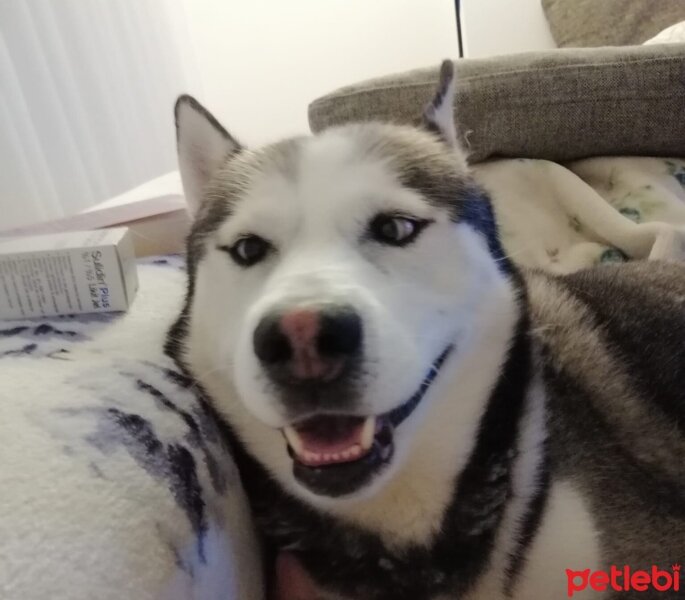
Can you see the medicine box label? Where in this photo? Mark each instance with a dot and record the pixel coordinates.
(67, 273)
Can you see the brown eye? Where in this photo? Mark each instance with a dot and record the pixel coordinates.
(248, 250)
(395, 230)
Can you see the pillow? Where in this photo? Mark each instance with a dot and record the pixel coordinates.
(558, 105)
(580, 23)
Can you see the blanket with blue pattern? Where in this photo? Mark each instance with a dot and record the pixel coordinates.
(115, 480)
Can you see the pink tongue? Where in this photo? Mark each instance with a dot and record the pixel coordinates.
(330, 435)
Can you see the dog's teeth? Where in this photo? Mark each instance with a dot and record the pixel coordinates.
(312, 457)
(315, 458)
(368, 431)
(294, 440)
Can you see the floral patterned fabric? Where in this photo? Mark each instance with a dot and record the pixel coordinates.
(611, 209)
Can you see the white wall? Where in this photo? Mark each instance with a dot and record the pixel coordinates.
(261, 62)
(494, 27)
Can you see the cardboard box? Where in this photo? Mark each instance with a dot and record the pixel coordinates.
(67, 273)
(156, 213)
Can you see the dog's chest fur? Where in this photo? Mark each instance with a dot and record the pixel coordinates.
(576, 463)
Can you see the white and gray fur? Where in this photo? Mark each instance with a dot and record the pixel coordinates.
(552, 438)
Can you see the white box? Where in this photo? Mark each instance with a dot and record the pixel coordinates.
(67, 273)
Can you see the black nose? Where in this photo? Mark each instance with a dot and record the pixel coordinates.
(340, 333)
(305, 344)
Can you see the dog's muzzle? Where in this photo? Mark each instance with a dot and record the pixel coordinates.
(336, 454)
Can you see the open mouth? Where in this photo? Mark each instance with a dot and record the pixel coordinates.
(335, 455)
(330, 440)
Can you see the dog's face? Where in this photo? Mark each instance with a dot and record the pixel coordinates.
(332, 277)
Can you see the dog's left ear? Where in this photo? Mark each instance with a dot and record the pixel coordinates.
(438, 116)
(203, 147)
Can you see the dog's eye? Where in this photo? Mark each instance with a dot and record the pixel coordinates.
(395, 230)
(248, 250)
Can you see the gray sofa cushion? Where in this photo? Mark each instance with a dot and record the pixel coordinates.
(559, 105)
(610, 22)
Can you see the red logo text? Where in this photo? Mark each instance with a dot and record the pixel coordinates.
(624, 580)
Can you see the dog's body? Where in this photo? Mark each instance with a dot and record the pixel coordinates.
(414, 418)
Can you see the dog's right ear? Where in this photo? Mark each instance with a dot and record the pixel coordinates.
(203, 147)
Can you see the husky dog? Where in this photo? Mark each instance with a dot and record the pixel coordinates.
(415, 418)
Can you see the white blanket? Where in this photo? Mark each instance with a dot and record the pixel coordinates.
(114, 479)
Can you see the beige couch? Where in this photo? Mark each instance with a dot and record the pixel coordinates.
(558, 105)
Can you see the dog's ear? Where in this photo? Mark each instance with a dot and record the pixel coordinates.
(203, 146)
(438, 116)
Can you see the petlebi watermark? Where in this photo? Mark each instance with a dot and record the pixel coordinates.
(624, 579)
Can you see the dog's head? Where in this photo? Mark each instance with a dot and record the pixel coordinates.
(332, 277)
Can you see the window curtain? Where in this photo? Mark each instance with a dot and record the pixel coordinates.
(86, 96)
